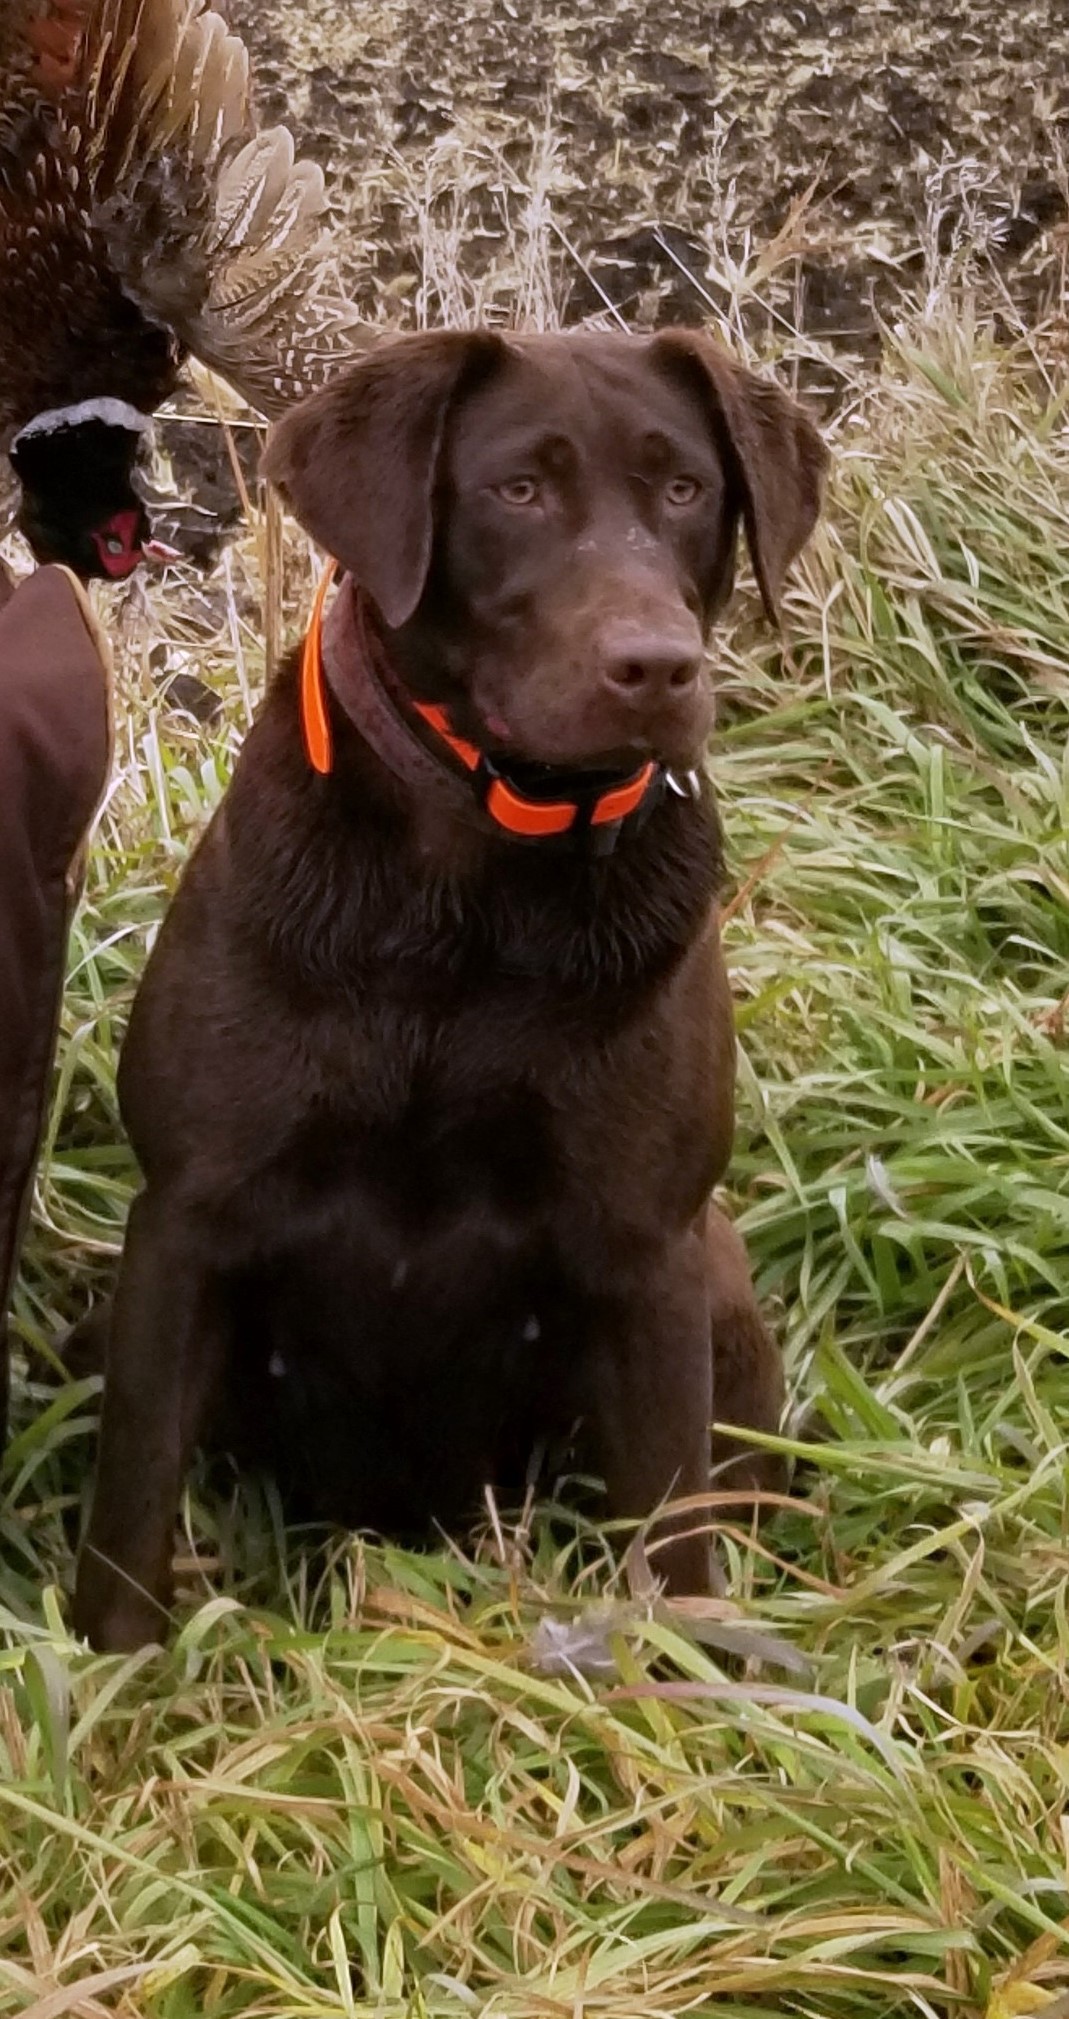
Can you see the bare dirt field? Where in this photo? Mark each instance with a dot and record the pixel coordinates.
(791, 168)
(675, 124)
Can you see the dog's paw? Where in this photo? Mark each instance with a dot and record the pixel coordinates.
(116, 1617)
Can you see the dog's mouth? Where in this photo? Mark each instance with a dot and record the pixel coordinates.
(593, 765)
(537, 780)
(509, 751)
(593, 741)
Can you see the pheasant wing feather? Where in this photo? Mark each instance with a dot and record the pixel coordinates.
(211, 229)
(236, 224)
(64, 317)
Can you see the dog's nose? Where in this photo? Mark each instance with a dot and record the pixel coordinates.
(642, 666)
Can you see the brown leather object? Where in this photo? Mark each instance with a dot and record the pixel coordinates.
(55, 748)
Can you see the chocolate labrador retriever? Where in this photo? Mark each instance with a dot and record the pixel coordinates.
(430, 1076)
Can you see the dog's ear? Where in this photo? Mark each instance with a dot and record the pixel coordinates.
(357, 461)
(772, 450)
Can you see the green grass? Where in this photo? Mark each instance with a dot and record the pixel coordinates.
(844, 1792)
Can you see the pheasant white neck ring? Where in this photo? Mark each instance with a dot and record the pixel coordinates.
(112, 413)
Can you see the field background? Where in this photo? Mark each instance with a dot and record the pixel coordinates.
(362, 1782)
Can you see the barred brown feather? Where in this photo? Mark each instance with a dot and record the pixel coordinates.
(143, 216)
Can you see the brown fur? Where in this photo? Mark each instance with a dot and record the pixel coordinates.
(429, 1120)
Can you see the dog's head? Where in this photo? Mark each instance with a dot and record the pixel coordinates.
(546, 525)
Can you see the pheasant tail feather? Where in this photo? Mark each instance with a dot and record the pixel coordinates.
(212, 228)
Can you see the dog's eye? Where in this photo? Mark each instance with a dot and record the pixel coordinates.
(682, 490)
(519, 491)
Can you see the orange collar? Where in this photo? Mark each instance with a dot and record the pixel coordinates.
(315, 716)
(529, 802)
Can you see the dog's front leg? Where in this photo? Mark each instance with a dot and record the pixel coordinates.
(165, 1345)
(748, 1383)
(651, 1402)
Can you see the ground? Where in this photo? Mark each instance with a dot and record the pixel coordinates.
(502, 1778)
(850, 144)
(670, 121)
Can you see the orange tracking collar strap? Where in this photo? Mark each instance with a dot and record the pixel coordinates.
(528, 801)
(315, 714)
(563, 806)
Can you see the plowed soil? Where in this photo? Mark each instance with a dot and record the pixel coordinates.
(838, 153)
(678, 122)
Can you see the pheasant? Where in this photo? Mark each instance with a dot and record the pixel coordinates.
(142, 218)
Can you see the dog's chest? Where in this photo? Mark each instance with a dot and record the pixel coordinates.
(424, 1129)
(415, 1281)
